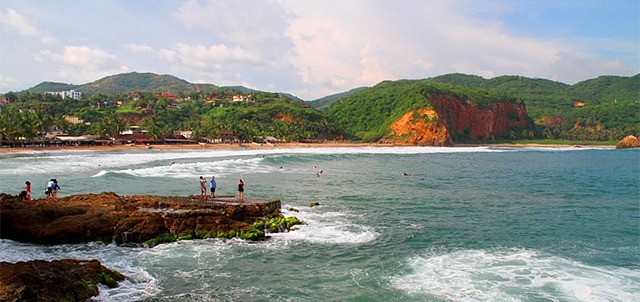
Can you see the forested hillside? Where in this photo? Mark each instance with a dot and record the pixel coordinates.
(606, 108)
(367, 114)
(208, 113)
(603, 109)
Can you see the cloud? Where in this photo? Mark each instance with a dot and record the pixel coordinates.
(139, 48)
(12, 19)
(310, 48)
(7, 82)
(340, 45)
(204, 57)
(252, 24)
(82, 63)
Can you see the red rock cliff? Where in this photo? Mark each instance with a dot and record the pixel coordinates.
(452, 118)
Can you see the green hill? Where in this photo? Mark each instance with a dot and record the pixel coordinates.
(609, 107)
(604, 108)
(325, 102)
(143, 82)
(130, 82)
(51, 86)
(245, 90)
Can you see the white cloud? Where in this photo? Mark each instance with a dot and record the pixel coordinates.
(7, 82)
(253, 24)
(12, 19)
(82, 63)
(342, 45)
(139, 48)
(308, 48)
(205, 57)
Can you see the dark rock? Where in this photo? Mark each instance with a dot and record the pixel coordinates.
(57, 280)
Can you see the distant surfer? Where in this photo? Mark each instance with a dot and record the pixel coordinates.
(405, 174)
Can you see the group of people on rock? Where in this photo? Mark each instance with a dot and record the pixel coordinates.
(213, 185)
(51, 191)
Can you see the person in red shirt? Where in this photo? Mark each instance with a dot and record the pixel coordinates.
(25, 194)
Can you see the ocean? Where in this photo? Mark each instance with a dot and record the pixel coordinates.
(463, 224)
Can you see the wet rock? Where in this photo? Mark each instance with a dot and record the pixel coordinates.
(57, 280)
(138, 219)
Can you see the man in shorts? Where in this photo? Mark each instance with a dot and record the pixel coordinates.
(212, 187)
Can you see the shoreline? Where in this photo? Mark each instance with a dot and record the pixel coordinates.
(277, 146)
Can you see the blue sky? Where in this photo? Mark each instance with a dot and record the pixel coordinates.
(315, 48)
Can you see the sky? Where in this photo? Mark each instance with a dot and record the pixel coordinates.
(313, 48)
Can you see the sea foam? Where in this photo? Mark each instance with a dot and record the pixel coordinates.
(514, 275)
(327, 228)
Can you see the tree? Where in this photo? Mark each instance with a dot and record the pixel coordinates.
(110, 125)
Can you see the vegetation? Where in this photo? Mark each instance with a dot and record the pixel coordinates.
(367, 114)
(601, 109)
(28, 115)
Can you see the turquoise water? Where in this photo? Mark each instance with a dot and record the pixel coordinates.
(465, 224)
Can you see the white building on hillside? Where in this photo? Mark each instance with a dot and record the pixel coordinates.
(74, 94)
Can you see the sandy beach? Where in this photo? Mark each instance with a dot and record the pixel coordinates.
(189, 146)
(267, 146)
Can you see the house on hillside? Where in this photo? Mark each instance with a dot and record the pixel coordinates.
(241, 98)
(72, 119)
(579, 103)
(73, 94)
(134, 96)
(166, 95)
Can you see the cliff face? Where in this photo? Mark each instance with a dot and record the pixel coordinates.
(454, 118)
(420, 127)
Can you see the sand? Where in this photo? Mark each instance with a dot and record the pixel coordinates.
(271, 146)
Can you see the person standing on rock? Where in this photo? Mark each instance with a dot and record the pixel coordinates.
(240, 190)
(212, 186)
(53, 188)
(203, 187)
(25, 194)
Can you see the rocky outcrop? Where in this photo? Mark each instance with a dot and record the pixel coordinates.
(452, 118)
(147, 220)
(57, 280)
(629, 141)
(420, 127)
